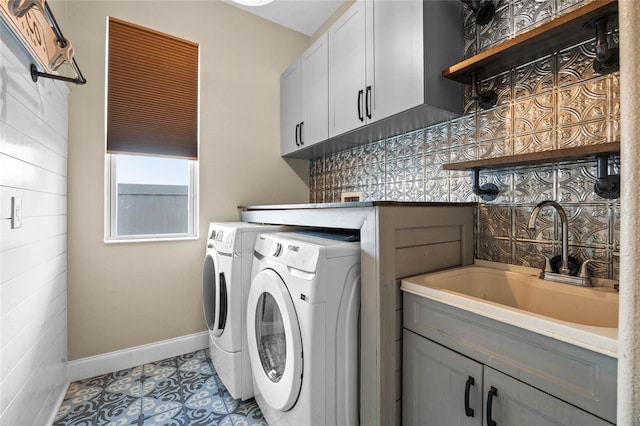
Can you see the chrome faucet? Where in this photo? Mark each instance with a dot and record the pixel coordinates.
(564, 276)
(564, 265)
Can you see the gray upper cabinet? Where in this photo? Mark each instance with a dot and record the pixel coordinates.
(375, 63)
(348, 70)
(385, 62)
(304, 99)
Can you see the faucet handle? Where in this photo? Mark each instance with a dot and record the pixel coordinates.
(584, 270)
(547, 265)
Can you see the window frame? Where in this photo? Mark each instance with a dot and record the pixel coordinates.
(111, 210)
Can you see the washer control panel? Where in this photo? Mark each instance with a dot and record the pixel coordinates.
(221, 238)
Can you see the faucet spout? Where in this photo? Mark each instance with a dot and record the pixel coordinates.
(564, 265)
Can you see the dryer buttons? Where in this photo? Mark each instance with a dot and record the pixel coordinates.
(277, 251)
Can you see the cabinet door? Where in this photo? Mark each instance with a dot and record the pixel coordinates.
(516, 403)
(290, 103)
(315, 92)
(398, 78)
(347, 70)
(434, 380)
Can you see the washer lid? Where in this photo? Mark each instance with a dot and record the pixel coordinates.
(275, 344)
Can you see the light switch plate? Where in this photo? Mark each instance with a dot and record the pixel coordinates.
(16, 212)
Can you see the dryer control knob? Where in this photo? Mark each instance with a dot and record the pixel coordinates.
(277, 251)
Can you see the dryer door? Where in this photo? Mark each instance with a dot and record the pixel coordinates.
(214, 295)
(275, 344)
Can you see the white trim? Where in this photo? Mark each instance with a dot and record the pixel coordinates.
(58, 402)
(138, 355)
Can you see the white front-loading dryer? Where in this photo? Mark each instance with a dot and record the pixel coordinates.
(302, 319)
(226, 277)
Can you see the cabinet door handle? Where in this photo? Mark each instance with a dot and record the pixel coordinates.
(360, 116)
(493, 392)
(368, 102)
(467, 388)
(301, 127)
(297, 140)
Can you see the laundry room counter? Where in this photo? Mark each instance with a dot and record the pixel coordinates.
(397, 240)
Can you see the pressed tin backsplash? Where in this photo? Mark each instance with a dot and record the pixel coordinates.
(554, 102)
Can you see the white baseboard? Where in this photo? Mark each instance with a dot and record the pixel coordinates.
(127, 358)
(57, 402)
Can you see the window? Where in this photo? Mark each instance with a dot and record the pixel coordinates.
(152, 134)
(152, 197)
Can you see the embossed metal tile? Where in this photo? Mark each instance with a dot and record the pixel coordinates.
(535, 77)
(530, 13)
(436, 190)
(532, 254)
(463, 153)
(461, 189)
(498, 30)
(463, 130)
(437, 137)
(563, 6)
(494, 221)
(583, 102)
(534, 142)
(586, 133)
(494, 250)
(494, 148)
(433, 161)
(470, 39)
(534, 114)
(575, 64)
(533, 185)
(494, 123)
(575, 183)
(414, 143)
(500, 83)
(588, 224)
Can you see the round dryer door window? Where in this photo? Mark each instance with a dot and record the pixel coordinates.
(275, 344)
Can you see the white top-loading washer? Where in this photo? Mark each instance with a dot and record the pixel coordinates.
(302, 319)
(226, 276)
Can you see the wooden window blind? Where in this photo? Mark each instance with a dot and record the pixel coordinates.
(152, 92)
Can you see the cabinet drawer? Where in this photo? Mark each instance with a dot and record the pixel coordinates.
(576, 375)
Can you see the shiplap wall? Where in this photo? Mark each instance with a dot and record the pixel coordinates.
(33, 258)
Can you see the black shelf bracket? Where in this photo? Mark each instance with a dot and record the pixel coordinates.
(607, 58)
(486, 100)
(606, 186)
(486, 192)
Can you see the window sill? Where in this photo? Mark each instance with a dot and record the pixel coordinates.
(151, 239)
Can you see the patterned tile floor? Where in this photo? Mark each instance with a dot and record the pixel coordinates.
(180, 391)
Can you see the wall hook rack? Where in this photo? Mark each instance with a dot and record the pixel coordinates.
(607, 58)
(484, 10)
(486, 192)
(49, 49)
(606, 186)
(486, 100)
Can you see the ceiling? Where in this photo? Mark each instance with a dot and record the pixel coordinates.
(304, 16)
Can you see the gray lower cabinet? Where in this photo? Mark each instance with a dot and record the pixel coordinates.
(443, 387)
(434, 382)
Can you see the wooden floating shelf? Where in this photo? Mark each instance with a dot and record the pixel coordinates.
(563, 31)
(565, 154)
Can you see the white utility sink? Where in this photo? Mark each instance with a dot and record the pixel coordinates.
(586, 316)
